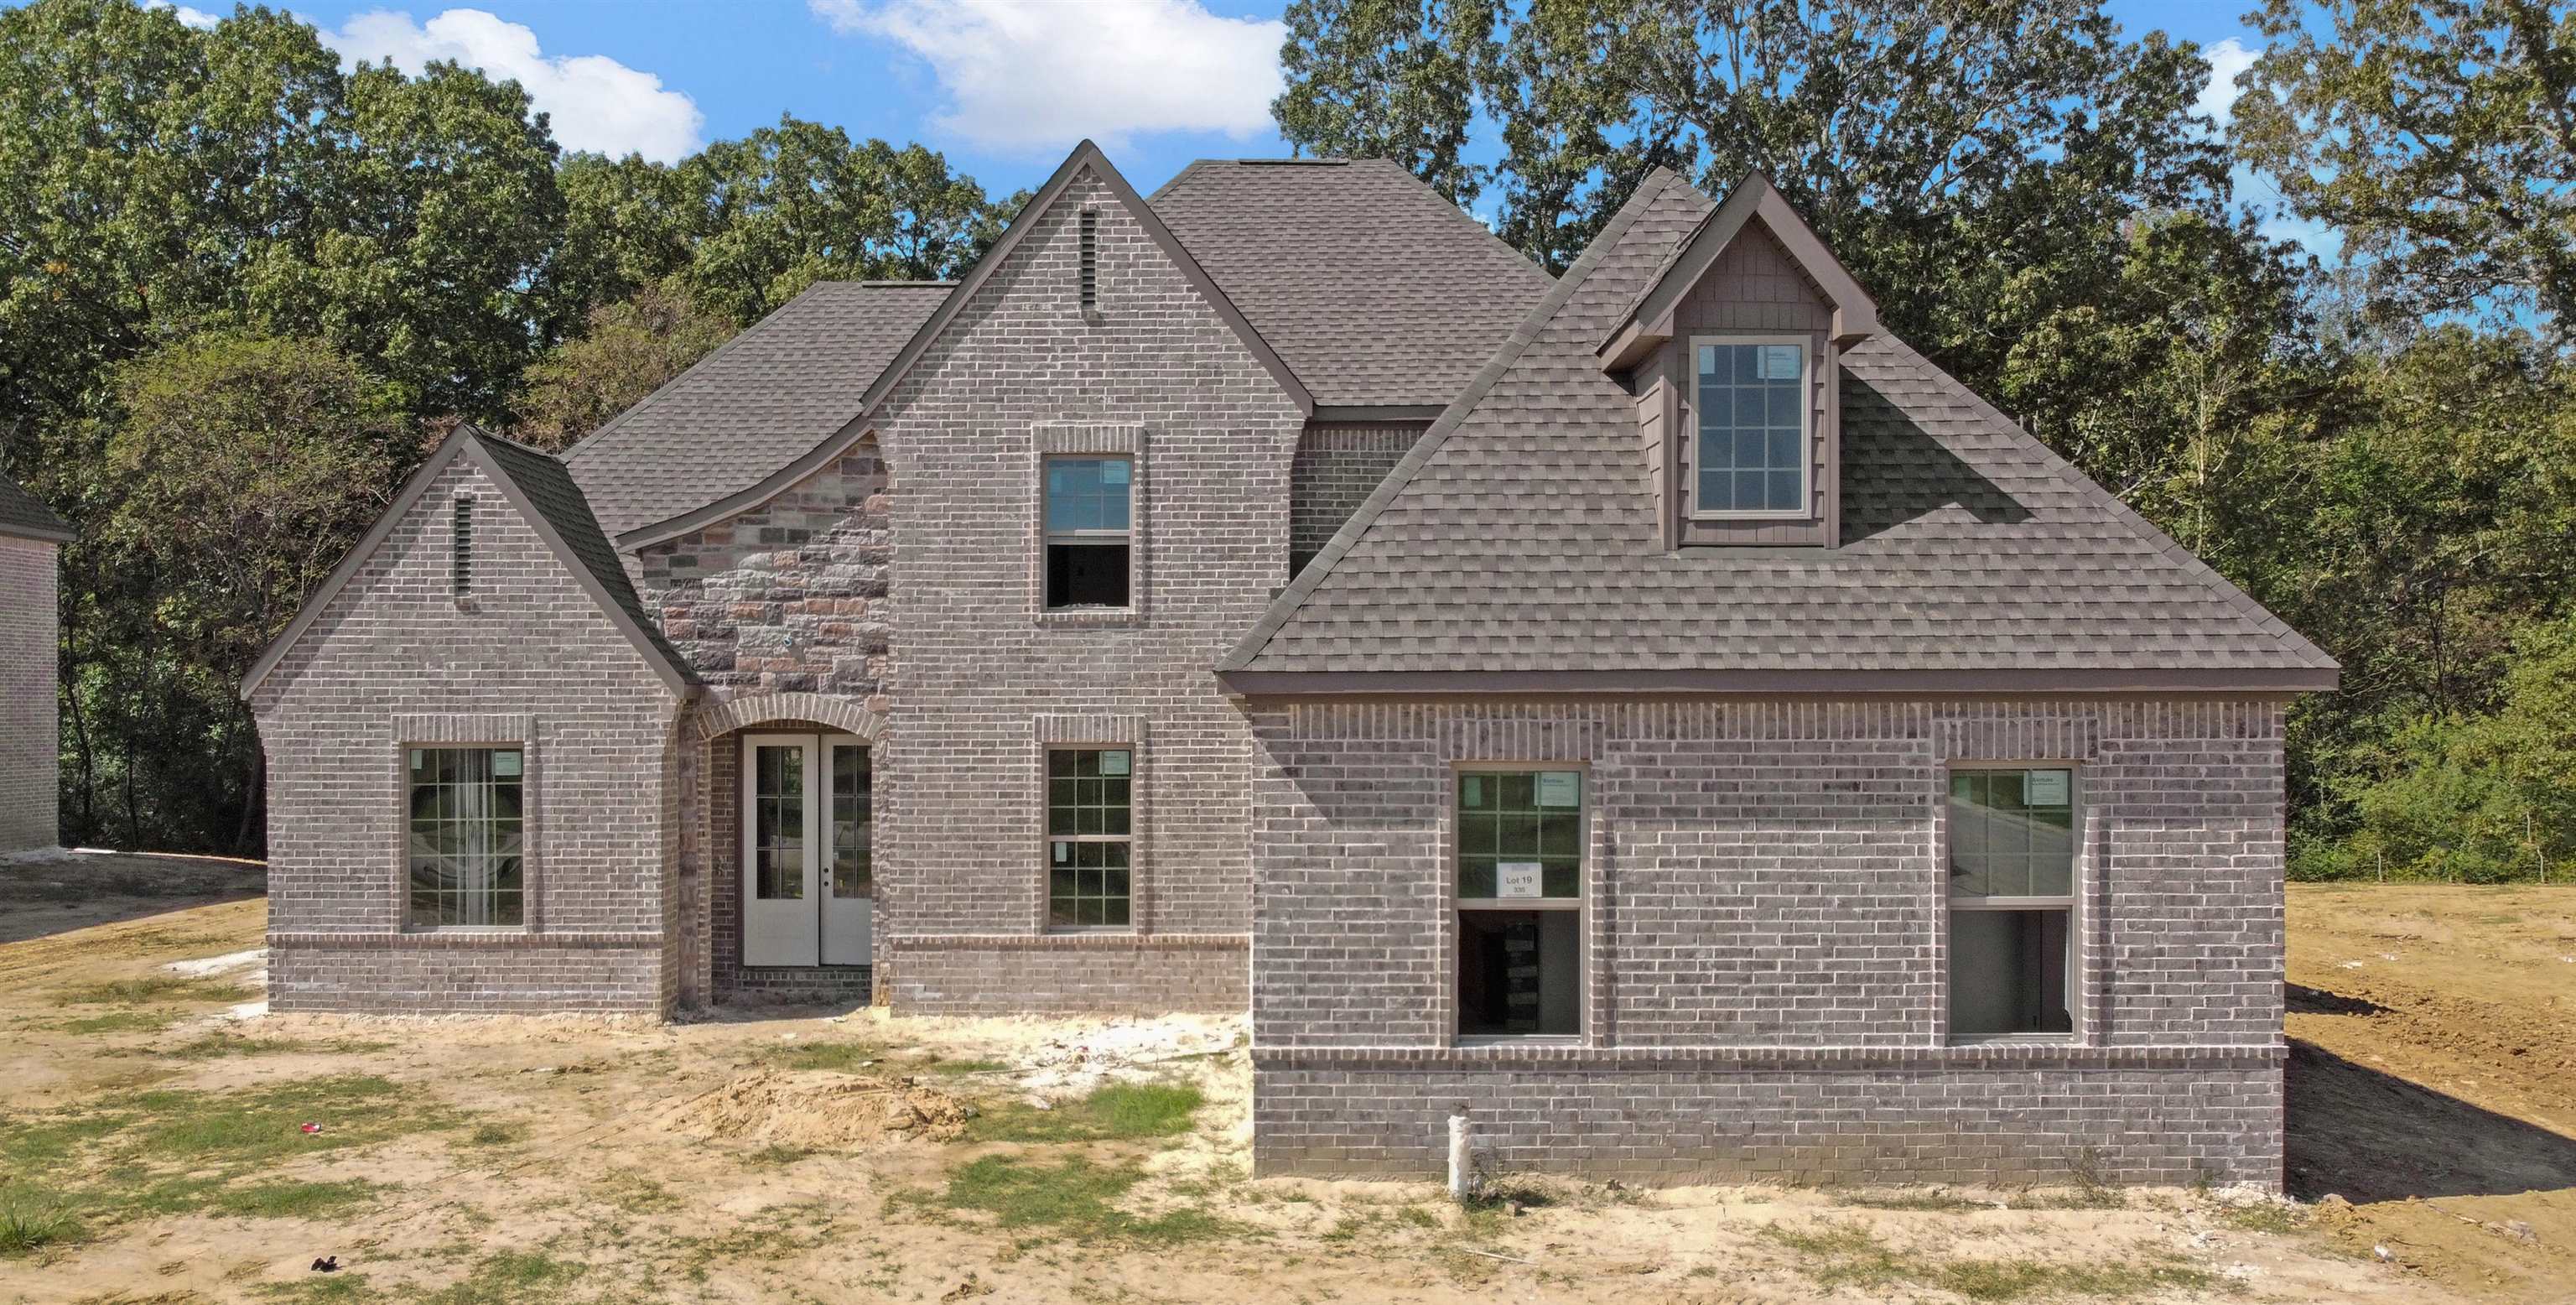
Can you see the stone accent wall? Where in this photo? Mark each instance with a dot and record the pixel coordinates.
(977, 663)
(1763, 877)
(30, 722)
(1337, 467)
(528, 658)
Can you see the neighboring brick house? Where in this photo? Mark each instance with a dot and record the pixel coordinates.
(1651, 707)
(30, 634)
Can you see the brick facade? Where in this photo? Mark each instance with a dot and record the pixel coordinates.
(1765, 884)
(1338, 465)
(528, 658)
(983, 678)
(30, 723)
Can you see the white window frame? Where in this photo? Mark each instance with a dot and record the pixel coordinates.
(1580, 904)
(2072, 902)
(1807, 351)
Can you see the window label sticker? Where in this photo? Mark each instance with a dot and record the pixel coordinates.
(1475, 790)
(2044, 788)
(1779, 362)
(1516, 879)
(505, 764)
(1113, 473)
(1063, 853)
(1560, 788)
(1113, 763)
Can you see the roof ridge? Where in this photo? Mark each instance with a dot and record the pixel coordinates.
(1285, 604)
(2073, 477)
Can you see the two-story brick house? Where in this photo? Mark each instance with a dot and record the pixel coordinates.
(30, 724)
(1651, 706)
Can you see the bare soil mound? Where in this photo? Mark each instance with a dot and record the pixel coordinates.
(821, 1110)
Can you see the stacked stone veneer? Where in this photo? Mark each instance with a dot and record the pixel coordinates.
(527, 659)
(1765, 960)
(30, 742)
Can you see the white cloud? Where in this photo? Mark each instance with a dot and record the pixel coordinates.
(1031, 74)
(196, 18)
(593, 102)
(2226, 59)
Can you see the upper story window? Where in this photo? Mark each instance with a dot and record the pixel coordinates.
(1751, 397)
(467, 852)
(1089, 531)
(2012, 901)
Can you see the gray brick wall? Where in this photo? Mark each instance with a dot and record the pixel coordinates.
(1765, 877)
(528, 658)
(30, 742)
(979, 673)
(1336, 468)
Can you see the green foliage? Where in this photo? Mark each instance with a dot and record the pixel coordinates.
(1113, 1112)
(2437, 136)
(1072, 1199)
(30, 1222)
(511, 1278)
(631, 349)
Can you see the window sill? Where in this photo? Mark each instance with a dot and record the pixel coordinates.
(2016, 1040)
(1089, 616)
(1090, 931)
(1471, 1041)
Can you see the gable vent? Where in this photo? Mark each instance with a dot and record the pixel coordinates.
(461, 547)
(1090, 260)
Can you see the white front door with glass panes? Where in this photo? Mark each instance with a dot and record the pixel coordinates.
(808, 883)
(1520, 903)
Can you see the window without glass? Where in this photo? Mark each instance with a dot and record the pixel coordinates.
(1520, 902)
(1088, 531)
(466, 837)
(2012, 901)
(1753, 412)
(1090, 825)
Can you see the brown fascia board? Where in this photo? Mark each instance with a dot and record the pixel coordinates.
(1285, 604)
(1823, 683)
(1650, 322)
(41, 534)
(464, 442)
(1084, 155)
(1346, 413)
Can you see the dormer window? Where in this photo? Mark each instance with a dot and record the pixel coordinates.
(1755, 420)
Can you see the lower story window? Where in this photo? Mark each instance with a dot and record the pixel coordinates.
(1520, 903)
(1090, 834)
(2012, 902)
(467, 838)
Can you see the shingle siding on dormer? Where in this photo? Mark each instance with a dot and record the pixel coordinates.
(1755, 288)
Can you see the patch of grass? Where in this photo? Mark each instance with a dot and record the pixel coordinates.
(1417, 1217)
(1934, 1201)
(2271, 1217)
(286, 1199)
(1073, 1199)
(635, 1194)
(36, 1143)
(965, 1066)
(511, 1278)
(29, 1223)
(845, 1057)
(123, 1021)
(491, 1133)
(151, 989)
(342, 1288)
(254, 1125)
(777, 1155)
(1844, 1255)
(1113, 1112)
(216, 1045)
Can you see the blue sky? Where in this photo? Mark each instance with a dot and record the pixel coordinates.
(1002, 87)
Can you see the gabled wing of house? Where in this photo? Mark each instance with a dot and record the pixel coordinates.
(24, 515)
(1517, 546)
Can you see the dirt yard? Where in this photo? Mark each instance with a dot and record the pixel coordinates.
(162, 1140)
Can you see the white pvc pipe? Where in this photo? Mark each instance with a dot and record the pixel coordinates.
(1462, 1174)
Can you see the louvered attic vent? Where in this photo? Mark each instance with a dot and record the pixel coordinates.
(461, 547)
(1090, 261)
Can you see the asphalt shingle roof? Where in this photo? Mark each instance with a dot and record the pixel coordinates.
(747, 409)
(550, 489)
(1372, 288)
(1524, 538)
(22, 513)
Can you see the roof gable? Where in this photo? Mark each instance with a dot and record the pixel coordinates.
(1086, 159)
(1754, 204)
(1378, 292)
(26, 516)
(1515, 549)
(545, 496)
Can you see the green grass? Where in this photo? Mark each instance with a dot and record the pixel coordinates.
(30, 1222)
(846, 1057)
(2265, 1217)
(287, 1199)
(216, 1045)
(1113, 1113)
(1842, 1255)
(777, 1155)
(635, 1194)
(1936, 1201)
(965, 1066)
(1072, 1198)
(511, 1278)
(496, 1134)
(342, 1288)
(123, 1021)
(153, 989)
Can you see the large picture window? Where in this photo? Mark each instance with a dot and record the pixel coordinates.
(2012, 901)
(467, 837)
(1090, 834)
(1752, 405)
(1090, 531)
(1520, 902)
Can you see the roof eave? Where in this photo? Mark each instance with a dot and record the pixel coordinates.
(2267, 682)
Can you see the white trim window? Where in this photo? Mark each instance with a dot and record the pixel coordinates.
(1519, 870)
(1753, 404)
(2012, 837)
(1090, 531)
(466, 836)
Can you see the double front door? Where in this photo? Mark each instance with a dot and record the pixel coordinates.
(807, 885)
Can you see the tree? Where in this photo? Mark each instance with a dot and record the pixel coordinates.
(632, 349)
(2437, 136)
(1388, 79)
(239, 470)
